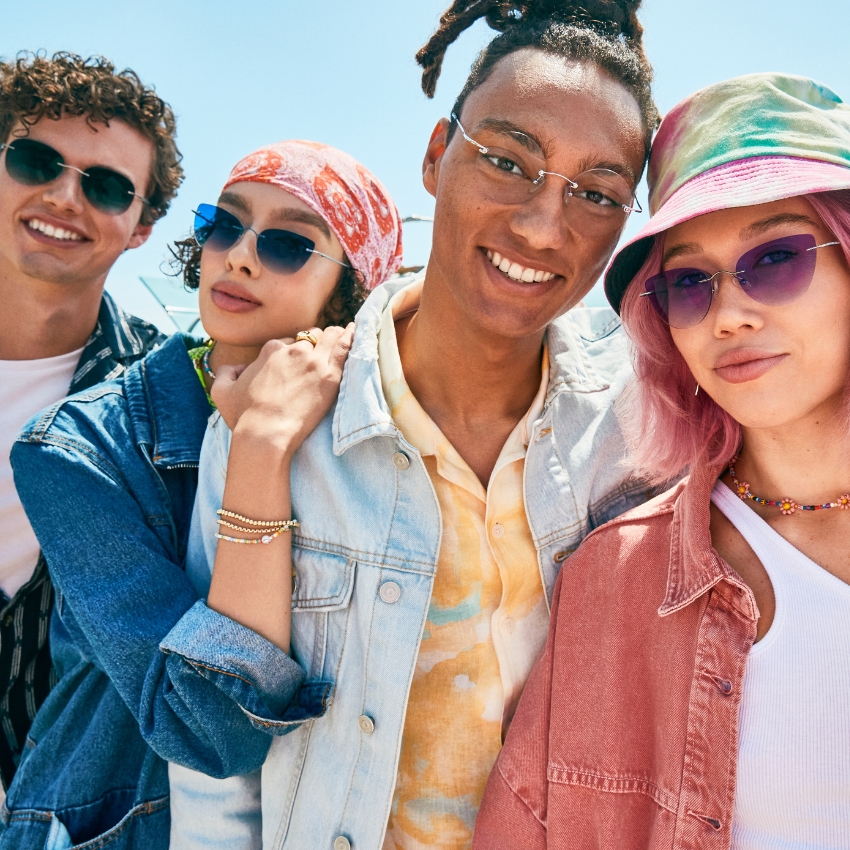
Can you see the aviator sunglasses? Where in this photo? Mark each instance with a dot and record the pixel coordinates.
(34, 163)
(776, 272)
(280, 251)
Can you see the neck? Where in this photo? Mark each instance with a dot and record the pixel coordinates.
(475, 385)
(225, 354)
(807, 460)
(43, 319)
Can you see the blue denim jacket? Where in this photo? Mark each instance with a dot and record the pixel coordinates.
(365, 558)
(108, 479)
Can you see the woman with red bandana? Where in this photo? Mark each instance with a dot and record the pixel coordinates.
(149, 671)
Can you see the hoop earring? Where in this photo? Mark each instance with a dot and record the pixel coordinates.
(696, 392)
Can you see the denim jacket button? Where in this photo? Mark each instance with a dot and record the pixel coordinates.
(366, 724)
(401, 461)
(390, 592)
(342, 843)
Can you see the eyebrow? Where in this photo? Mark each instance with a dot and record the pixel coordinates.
(766, 224)
(756, 228)
(617, 167)
(508, 128)
(681, 251)
(541, 148)
(304, 217)
(280, 215)
(234, 200)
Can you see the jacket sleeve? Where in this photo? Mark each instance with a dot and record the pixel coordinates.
(120, 596)
(513, 812)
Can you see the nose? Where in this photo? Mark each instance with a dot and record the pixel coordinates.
(540, 221)
(732, 309)
(242, 256)
(65, 193)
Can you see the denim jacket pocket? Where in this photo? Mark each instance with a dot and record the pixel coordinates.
(129, 831)
(322, 587)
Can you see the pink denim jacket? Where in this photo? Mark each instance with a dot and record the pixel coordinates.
(626, 737)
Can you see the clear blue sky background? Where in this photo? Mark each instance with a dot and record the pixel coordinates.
(241, 74)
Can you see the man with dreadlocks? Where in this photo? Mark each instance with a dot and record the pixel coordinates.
(472, 447)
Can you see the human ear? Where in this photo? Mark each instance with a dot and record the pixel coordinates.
(434, 154)
(139, 236)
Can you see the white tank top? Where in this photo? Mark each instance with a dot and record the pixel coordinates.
(793, 785)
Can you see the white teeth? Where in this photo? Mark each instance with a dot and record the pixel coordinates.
(517, 272)
(54, 232)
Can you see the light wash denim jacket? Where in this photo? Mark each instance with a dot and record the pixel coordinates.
(365, 556)
(146, 672)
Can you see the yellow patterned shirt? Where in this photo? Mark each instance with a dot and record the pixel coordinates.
(486, 624)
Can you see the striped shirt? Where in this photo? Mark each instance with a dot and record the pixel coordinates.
(26, 670)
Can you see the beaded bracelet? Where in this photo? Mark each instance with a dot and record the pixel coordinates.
(258, 530)
(268, 530)
(271, 523)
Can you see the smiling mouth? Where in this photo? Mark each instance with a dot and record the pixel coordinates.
(54, 232)
(516, 272)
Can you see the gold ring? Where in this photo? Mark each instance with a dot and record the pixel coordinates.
(306, 336)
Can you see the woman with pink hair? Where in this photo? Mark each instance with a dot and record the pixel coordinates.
(695, 685)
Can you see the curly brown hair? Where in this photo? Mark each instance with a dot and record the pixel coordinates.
(340, 309)
(33, 87)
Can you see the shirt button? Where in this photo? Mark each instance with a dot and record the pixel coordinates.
(366, 724)
(498, 530)
(401, 461)
(390, 592)
(508, 626)
(342, 843)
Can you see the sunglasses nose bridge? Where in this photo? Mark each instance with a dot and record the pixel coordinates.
(73, 168)
(242, 254)
(65, 190)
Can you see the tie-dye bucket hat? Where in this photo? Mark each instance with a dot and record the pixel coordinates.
(750, 140)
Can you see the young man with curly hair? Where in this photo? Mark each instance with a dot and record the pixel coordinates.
(88, 163)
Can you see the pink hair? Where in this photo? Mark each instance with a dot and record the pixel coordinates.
(671, 429)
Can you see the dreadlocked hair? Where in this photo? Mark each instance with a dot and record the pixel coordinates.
(606, 32)
(341, 307)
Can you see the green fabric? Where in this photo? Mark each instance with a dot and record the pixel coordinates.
(196, 355)
(755, 115)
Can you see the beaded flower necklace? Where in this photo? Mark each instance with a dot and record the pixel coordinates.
(786, 505)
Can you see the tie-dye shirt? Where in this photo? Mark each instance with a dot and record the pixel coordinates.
(486, 625)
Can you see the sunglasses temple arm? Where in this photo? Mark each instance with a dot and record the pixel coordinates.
(338, 262)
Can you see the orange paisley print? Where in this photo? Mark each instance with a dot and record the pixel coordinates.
(346, 195)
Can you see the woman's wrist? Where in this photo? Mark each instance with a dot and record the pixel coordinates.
(262, 436)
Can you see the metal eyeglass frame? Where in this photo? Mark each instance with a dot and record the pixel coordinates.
(737, 275)
(142, 198)
(542, 174)
(260, 232)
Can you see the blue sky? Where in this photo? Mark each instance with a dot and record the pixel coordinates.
(240, 75)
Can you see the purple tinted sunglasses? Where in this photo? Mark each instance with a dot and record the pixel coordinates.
(776, 272)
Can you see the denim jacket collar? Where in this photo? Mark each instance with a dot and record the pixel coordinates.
(695, 567)
(167, 404)
(364, 413)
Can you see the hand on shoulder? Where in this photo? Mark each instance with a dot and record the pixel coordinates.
(284, 394)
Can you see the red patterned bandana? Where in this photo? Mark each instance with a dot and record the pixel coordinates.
(349, 198)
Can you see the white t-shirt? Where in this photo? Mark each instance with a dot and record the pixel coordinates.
(26, 386)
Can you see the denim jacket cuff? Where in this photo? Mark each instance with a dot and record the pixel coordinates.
(252, 671)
